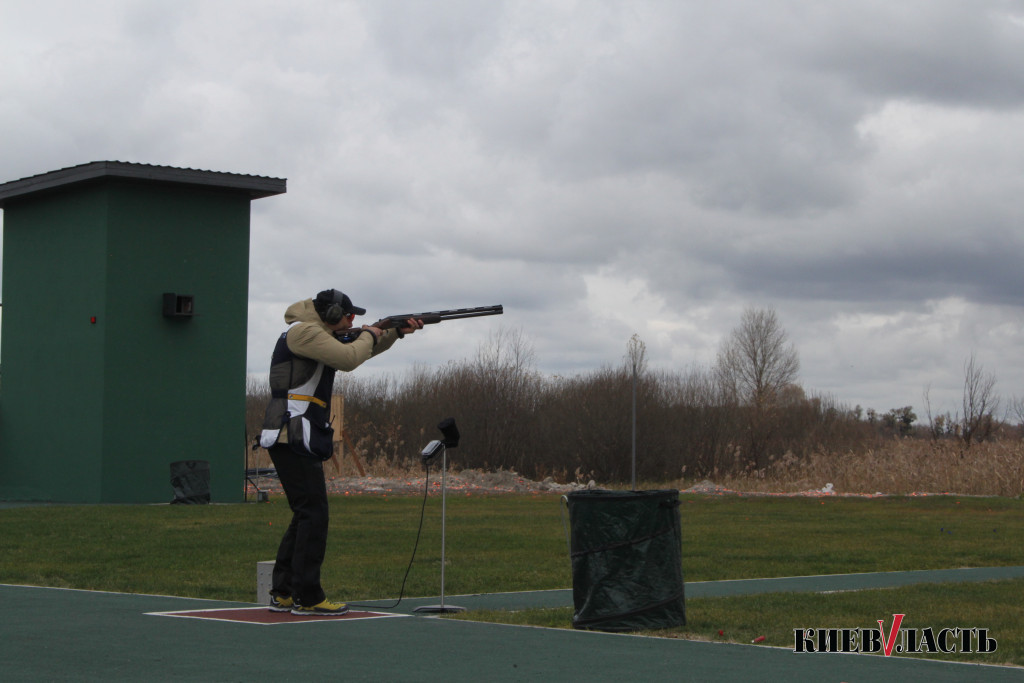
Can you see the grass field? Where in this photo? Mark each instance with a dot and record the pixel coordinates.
(513, 543)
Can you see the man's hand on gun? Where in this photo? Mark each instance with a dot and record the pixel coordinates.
(410, 326)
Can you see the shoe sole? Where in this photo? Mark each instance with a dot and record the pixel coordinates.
(305, 613)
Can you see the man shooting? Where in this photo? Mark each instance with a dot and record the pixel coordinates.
(320, 339)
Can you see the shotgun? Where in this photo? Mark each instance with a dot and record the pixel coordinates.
(428, 318)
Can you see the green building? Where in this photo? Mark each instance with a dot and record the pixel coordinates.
(125, 290)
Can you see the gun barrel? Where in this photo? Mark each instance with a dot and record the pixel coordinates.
(432, 317)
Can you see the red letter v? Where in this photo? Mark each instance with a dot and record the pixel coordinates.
(890, 640)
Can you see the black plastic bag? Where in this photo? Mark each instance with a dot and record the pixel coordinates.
(190, 480)
(626, 551)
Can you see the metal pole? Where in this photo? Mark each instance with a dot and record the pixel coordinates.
(634, 426)
(444, 514)
(442, 608)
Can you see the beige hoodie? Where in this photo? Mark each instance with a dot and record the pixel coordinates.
(311, 338)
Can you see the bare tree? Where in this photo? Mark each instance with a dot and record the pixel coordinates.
(757, 360)
(502, 392)
(636, 361)
(636, 355)
(979, 402)
(754, 364)
(938, 425)
(1016, 410)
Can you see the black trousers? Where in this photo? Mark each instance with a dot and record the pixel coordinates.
(301, 553)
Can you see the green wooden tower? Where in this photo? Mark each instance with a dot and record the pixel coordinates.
(125, 290)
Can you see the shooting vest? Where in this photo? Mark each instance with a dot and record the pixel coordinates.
(300, 399)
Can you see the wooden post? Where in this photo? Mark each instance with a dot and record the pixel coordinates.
(338, 422)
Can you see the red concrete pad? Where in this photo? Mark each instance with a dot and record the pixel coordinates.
(263, 616)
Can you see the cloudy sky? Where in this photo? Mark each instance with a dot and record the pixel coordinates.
(601, 168)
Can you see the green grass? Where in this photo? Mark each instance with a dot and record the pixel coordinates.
(993, 605)
(511, 543)
(210, 551)
(759, 537)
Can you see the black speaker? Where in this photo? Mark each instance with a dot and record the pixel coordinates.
(450, 432)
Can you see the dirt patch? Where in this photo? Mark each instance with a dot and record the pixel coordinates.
(476, 482)
(464, 482)
(710, 488)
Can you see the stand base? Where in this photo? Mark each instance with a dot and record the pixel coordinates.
(439, 609)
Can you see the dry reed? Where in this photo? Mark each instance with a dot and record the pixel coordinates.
(900, 466)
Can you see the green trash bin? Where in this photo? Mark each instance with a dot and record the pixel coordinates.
(626, 552)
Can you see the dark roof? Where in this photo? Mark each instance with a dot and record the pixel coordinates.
(254, 186)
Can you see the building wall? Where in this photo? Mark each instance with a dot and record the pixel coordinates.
(123, 397)
(51, 356)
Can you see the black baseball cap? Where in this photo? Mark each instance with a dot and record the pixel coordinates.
(327, 297)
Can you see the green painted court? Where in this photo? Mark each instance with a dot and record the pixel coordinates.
(51, 634)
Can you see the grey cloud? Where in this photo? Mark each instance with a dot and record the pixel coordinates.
(947, 52)
(888, 277)
(842, 161)
(663, 98)
(418, 40)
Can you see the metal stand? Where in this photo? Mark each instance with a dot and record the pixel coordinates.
(442, 608)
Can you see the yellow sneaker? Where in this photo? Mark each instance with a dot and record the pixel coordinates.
(279, 604)
(324, 609)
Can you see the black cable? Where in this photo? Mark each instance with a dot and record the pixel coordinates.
(419, 531)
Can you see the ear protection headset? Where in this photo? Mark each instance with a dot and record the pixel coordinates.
(332, 311)
(334, 314)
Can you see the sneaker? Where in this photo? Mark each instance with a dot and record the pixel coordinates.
(279, 604)
(324, 609)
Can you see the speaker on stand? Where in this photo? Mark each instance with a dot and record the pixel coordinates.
(451, 440)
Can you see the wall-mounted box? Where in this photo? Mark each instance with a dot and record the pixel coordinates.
(178, 305)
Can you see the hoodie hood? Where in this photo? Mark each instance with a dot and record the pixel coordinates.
(303, 312)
